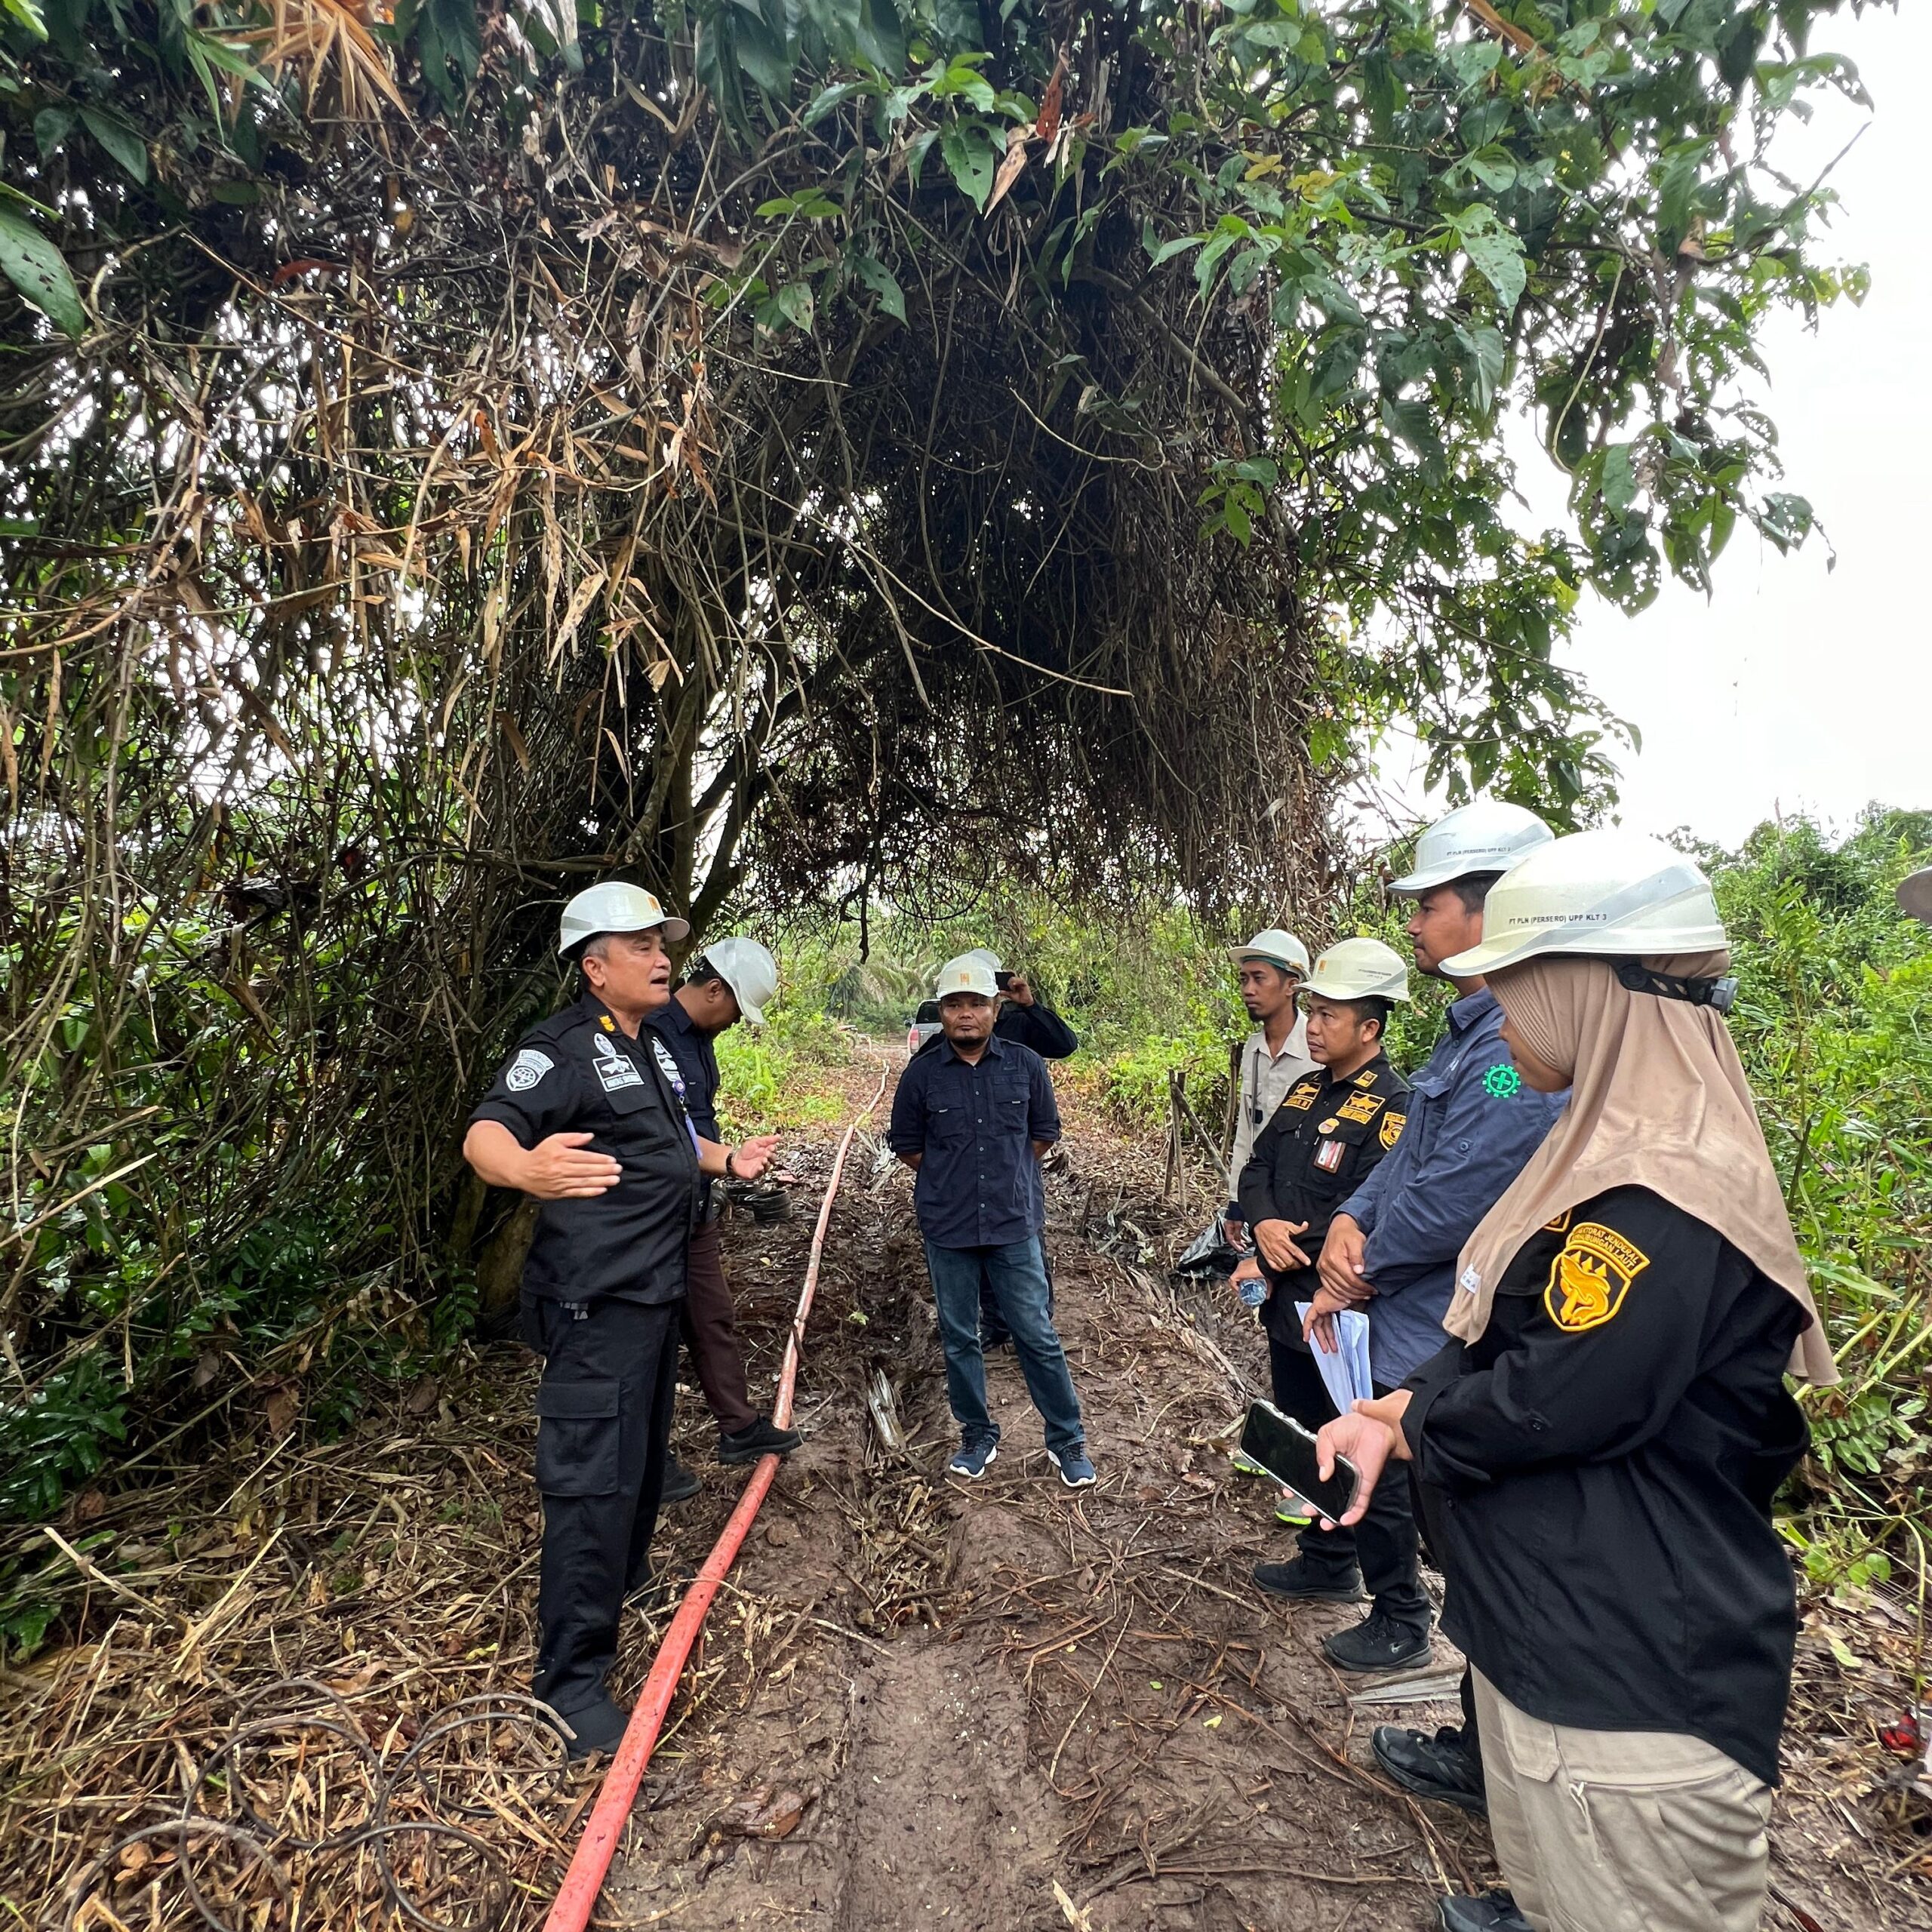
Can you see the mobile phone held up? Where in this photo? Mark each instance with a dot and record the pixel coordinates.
(1287, 1452)
(1002, 980)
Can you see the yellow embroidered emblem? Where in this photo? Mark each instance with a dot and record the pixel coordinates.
(1392, 1125)
(1590, 1276)
(1559, 1226)
(610, 1025)
(1303, 1097)
(1361, 1106)
(1366, 1079)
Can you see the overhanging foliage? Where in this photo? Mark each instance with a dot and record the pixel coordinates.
(778, 450)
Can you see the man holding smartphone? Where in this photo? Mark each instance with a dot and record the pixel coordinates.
(1331, 1130)
(1473, 1124)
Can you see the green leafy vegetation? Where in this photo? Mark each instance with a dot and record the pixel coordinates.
(809, 459)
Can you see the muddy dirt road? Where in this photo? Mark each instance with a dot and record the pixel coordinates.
(985, 1707)
(968, 1695)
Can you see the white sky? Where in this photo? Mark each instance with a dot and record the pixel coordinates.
(1795, 688)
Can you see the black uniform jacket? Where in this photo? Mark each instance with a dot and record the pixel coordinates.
(1038, 1027)
(578, 1072)
(1324, 1138)
(1598, 1472)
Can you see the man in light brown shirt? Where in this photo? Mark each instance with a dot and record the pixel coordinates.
(1272, 966)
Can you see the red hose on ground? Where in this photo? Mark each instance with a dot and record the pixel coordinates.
(584, 1879)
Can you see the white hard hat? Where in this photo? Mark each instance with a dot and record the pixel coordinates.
(1273, 948)
(1605, 895)
(984, 956)
(968, 974)
(1488, 836)
(1359, 969)
(1915, 894)
(615, 907)
(749, 969)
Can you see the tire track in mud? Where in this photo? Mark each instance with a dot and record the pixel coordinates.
(923, 1705)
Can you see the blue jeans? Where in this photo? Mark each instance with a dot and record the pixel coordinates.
(1019, 1277)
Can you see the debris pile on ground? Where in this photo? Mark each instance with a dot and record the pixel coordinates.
(915, 1704)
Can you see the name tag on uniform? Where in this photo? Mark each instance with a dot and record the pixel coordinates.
(615, 1069)
(1328, 1155)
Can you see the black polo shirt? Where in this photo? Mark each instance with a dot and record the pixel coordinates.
(578, 1072)
(979, 1185)
(1598, 1472)
(1320, 1144)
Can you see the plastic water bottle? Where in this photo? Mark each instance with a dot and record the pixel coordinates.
(1254, 1291)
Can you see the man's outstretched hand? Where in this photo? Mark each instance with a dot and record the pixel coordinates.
(560, 1168)
(750, 1158)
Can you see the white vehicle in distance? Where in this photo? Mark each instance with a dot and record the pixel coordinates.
(920, 1028)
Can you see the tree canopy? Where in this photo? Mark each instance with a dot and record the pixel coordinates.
(786, 450)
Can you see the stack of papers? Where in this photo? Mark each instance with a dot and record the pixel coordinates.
(1344, 1375)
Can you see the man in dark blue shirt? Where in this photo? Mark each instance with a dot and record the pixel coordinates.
(1028, 1021)
(727, 982)
(971, 1118)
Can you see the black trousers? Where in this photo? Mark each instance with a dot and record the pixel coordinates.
(603, 1438)
(1384, 1543)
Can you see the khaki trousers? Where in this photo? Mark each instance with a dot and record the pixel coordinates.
(1621, 1831)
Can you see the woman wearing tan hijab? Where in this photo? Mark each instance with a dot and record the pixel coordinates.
(1598, 1447)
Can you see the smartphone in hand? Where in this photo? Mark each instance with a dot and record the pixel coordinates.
(1287, 1452)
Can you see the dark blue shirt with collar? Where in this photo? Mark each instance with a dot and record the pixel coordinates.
(696, 1055)
(1472, 1125)
(979, 1184)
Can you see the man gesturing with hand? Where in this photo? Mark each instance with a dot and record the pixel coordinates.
(586, 1116)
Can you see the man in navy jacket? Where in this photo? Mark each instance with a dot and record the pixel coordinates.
(1472, 1125)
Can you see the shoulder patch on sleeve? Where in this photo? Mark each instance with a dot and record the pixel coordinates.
(1590, 1277)
(529, 1067)
(1502, 1081)
(1392, 1125)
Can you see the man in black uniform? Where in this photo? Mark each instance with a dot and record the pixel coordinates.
(586, 1116)
(1331, 1128)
